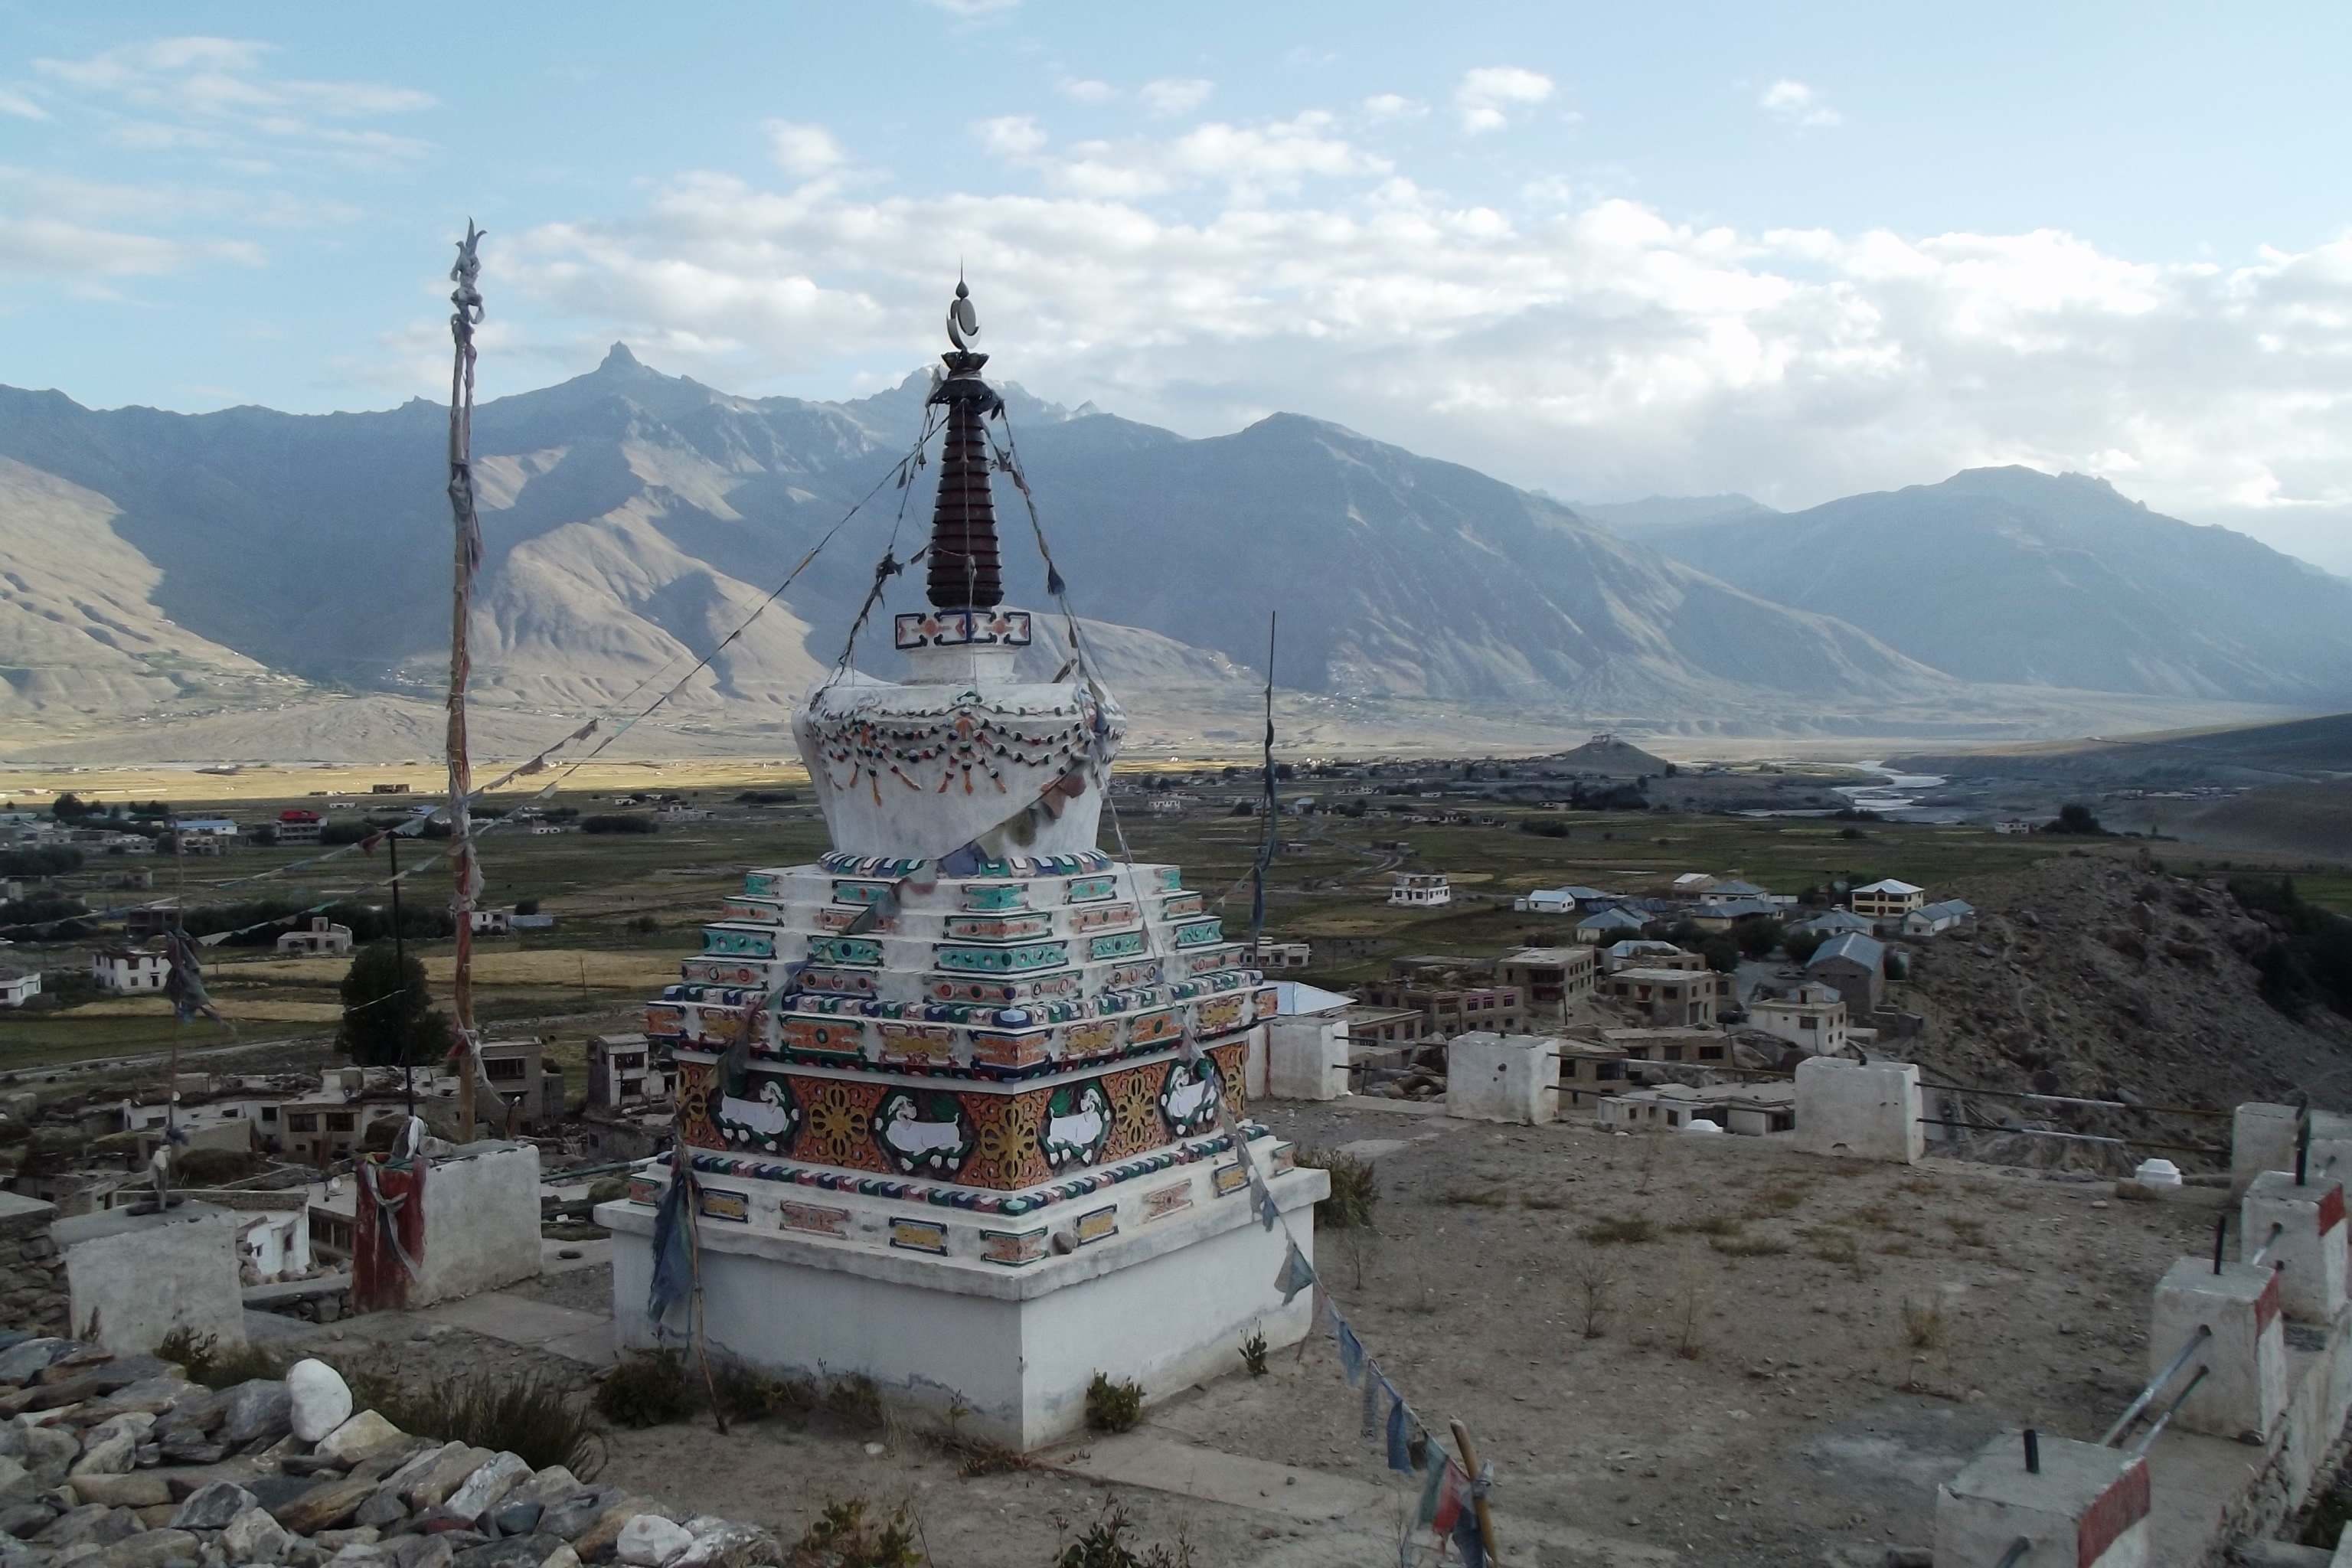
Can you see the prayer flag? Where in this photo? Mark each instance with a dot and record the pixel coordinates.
(1370, 1430)
(1351, 1350)
(1399, 1449)
(1295, 1275)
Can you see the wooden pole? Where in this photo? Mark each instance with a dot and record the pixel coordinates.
(1478, 1500)
(468, 298)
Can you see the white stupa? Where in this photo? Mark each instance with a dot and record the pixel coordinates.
(975, 1150)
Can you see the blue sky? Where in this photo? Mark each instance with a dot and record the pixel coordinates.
(1609, 251)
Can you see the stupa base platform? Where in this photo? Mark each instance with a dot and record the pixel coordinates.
(1009, 1318)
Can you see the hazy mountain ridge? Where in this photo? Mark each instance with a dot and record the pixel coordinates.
(632, 519)
(2016, 577)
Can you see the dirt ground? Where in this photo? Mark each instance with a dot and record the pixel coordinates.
(1790, 1352)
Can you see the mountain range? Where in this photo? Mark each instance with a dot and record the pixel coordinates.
(220, 581)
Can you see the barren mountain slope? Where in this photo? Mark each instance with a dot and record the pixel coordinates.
(2114, 977)
(77, 629)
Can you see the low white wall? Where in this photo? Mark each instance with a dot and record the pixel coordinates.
(481, 1221)
(133, 1279)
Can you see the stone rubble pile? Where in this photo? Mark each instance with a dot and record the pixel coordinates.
(121, 1462)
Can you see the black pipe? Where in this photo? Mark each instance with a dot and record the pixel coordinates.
(2220, 1233)
(2302, 1142)
(2033, 1452)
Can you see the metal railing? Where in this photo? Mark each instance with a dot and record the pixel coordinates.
(2140, 1402)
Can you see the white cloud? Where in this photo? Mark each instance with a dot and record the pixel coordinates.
(1794, 103)
(1487, 95)
(1085, 90)
(21, 107)
(1014, 136)
(1175, 95)
(72, 231)
(971, 10)
(1250, 161)
(1394, 106)
(217, 93)
(804, 150)
(1588, 344)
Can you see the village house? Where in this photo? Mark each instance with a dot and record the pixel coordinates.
(323, 940)
(492, 922)
(1558, 901)
(1690, 885)
(1604, 926)
(622, 1074)
(1424, 889)
(1549, 977)
(533, 1091)
(1722, 914)
(1854, 965)
(1887, 900)
(1373, 1029)
(1589, 1071)
(1831, 922)
(1934, 920)
(128, 970)
(1811, 1017)
(1672, 1046)
(15, 990)
(1648, 954)
(1277, 956)
(1450, 1009)
(1669, 996)
(1751, 1110)
(297, 826)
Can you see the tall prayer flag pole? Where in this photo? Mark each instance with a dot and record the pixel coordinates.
(468, 298)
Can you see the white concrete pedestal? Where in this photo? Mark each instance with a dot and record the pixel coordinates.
(1306, 1057)
(2310, 1248)
(1502, 1078)
(1165, 1302)
(2088, 1506)
(2246, 1389)
(1865, 1110)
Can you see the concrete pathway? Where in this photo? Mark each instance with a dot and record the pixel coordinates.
(566, 1332)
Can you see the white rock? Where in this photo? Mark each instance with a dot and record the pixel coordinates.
(562, 1557)
(365, 1434)
(649, 1540)
(134, 1423)
(254, 1537)
(108, 1457)
(321, 1399)
(487, 1486)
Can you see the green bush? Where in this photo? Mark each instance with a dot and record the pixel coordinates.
(843, 1537)
(1355, 1188)
(2310, 960)
(1104, 1545)
(646, 1390)
(618, 822)
(1113, 1406)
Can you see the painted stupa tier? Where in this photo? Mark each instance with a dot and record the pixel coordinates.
(966, 1015)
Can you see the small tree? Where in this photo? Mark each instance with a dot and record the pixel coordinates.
(2076, 817)
(388, 1016)
(1799, 945)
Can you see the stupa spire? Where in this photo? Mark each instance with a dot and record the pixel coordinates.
(963, 572)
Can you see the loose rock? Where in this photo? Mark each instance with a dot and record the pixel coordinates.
(319, 1399)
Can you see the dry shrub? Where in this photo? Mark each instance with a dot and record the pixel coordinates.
(1618, 1232)
(1737, 1245)
(1471, 1197)
(1709, 1225)
(1593, 1288)
(1690, 1310)
(1966, 1231)
(1355, 1188)
(1775, 1201)
(1924, 1326)
(645, 1390)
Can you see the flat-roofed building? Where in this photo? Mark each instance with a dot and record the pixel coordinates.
(1549, 977)
(1811, 1017)
(1669, 996)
